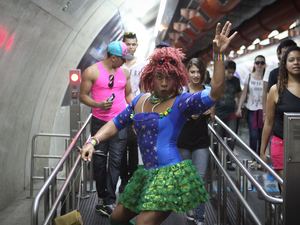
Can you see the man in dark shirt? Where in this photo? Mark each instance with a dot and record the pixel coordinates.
(283, 46)
(225, 108)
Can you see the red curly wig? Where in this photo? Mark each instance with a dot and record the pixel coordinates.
(179, 70)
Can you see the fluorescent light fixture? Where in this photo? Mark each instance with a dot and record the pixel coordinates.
(161, 10)
(240, 51)
(251, 47)
(231, 54)
(282, 35)
(265, 42)
(256, 41)
(293, 25)
(273, 33)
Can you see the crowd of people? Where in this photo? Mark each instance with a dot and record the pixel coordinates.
(162, 109)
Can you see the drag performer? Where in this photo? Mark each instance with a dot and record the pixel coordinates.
(165, 182)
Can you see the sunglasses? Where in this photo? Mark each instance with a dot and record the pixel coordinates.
(162, 61)
(111, 81)
(260, 62)
(129, 33)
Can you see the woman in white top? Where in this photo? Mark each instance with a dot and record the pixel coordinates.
(254, 104)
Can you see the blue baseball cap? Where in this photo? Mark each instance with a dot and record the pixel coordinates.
(162, 44)
(119, 48)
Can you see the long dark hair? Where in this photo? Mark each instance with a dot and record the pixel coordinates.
(200, 64)
(283, 73)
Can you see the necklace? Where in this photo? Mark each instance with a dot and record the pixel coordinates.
(159, 100)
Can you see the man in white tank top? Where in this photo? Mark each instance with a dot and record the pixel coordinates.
(135, 67)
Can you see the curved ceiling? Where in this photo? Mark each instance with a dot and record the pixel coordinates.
(192, 27)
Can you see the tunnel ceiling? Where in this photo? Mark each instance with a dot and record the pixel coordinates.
(242, 11)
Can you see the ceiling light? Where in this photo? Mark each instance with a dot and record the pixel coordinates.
(265, 42)
(293, 25)
(282, 35)
(256, 41)
(251, 47)
(240, 51)
(273, 33)
(231, 54)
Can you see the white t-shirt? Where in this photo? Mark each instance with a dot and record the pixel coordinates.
(268, 71)
(255, 93)
(135, 74)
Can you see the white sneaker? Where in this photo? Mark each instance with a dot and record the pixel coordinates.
(197, 222)
(190, 215)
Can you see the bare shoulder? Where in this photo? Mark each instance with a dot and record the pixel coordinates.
(273, 93)
(91, 73)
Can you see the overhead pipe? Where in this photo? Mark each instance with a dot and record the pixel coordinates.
(277, 16)
(209, 12)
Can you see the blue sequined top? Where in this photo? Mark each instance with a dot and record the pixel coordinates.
(157, 137)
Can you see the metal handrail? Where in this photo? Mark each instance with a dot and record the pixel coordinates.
(40, 156)
(234, 188)
(48, 182)
(259, 188)
(257, 157)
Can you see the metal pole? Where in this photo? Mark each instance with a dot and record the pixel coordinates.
(219, 188)
(53, 194)
(245, 190)
(277, 214)
(268, 213)
(224, 185)
(211, 166)
(67, 195)
(238, 203)
(47, 195)
(84, 171)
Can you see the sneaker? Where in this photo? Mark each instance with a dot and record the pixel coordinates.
(106, 210)
(190, 215)
(197, 222)
(100, 204)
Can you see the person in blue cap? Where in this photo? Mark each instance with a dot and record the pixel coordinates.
(162, 44)
(110, 87)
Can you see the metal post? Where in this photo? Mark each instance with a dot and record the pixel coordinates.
(277, 216)
(291, 168)
(32, 165)
(68, 162)
(53, 193)
(268, 213)
(219, 188)
(47, 195)
(84, 171)
(224, 185)
(211, 165)
(238, 203)
(91, 176)
(245, 190)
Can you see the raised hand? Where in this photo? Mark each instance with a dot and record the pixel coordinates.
(221, 40)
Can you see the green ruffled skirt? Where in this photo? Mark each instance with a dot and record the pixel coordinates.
(175, 187)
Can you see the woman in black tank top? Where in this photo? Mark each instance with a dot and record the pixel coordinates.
(283, 97)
